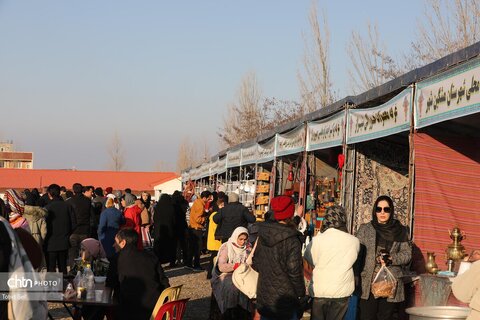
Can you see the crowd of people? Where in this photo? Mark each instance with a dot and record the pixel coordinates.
(133, 236)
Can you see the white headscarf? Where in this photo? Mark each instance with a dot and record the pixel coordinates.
(235, 252)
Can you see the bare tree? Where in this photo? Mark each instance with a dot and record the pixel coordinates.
(187, 155)
(315, 83)
(445, 27)
(245, 118)
(162, 165)
(117, 160)
(371, 65)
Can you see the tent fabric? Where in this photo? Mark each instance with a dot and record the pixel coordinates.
(447, 184)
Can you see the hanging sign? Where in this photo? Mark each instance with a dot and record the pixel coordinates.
(266, 151)
(249, 155)
(233, 158)
(326, 133)
(291, 142)
(450, 95)
(387, 119)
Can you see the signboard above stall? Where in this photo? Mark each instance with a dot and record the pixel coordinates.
(266, 151)
(222, 165)
(291, 142)
(249, 155)
(233, 158)
(387, 119)
(326, 133)
(450, 95)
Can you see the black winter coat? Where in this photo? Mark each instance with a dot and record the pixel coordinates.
(60, 222)
(83, 209)
(278, 260)
(138, 279)
(230, 217)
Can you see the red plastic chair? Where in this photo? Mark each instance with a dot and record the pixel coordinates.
(172, 310)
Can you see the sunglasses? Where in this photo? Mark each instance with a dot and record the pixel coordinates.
(385, 209)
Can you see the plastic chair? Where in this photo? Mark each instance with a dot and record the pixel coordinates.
(169, 294)
(173, 310)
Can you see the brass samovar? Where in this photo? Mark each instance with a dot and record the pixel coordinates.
(455, 251)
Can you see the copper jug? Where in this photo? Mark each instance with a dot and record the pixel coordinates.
(431, 266)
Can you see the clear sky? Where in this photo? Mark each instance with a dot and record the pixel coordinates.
(72, 73)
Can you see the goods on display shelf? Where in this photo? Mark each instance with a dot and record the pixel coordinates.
(262, 191)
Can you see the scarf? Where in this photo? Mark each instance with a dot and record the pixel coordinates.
(94, 248)
(392, 231)
(237, 254)
(17, 207)
(20, 264)
(334, 218)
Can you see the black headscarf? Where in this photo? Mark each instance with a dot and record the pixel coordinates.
(147, 202)
(393, 230)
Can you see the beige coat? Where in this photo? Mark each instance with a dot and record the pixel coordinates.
(35, 217)
(466, 288)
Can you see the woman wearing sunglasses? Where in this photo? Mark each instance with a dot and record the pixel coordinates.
(384, 241)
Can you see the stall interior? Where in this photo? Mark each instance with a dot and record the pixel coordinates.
(262, 191)
(288, 175)
(247, 186)
(323, 185)
(381, 168)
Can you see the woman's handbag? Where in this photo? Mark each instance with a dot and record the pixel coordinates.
(245, 278)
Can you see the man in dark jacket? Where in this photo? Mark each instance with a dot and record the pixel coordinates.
(83, 211)
(233, 215)
(278, 260)
(136, 277)
(60, 222)
(98, 203)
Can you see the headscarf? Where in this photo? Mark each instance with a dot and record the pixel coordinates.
(147, 202)
(129, 199)
(334, 218)
(392, 230)
(19, 265)
(94, 248)
(235, 252)
(17, 207)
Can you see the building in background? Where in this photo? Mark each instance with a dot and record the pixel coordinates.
(150, 182)
(9, 158)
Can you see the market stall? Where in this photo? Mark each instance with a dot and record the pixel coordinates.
(265, 176)
(380, 138)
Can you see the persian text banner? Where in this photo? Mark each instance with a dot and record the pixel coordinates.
(387, 119)
(450, 95)
(326, 133)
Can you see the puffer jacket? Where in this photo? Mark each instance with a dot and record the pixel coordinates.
(278, 260)
(35, 217)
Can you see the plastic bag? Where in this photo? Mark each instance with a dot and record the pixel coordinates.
(384, 284)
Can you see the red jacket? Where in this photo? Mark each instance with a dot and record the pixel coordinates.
(133, 221)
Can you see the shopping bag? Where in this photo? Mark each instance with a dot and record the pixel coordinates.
(384, 284)
(246, 279)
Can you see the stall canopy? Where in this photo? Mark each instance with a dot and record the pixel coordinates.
(249, 155)
(233, 158)
(291, 142)
(266, 151)
(326, 133)
(387, 119)
(449, 95)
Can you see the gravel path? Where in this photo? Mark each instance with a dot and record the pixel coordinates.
(195, 286)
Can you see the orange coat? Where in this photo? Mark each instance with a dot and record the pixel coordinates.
(197, 214)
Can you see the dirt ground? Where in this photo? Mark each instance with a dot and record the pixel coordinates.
(195, 286)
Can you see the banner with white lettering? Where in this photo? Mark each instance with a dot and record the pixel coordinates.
(249, 155)
(222, 165)
(233, 158)
(450, 95)
(266, 151)
(291, 142)
(326, 133)
(385, 120)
